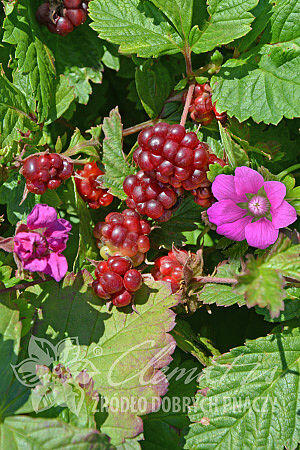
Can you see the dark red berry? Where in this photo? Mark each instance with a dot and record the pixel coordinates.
(132, 280)
(64, 26)
(72, 3)
(119, 265)
(43, 14)
(122, 299)
(99, 291)
(53, 184)
(111, 282)
(36, 187)
(30, 168)
(168, 268)
(89, 186)
(66, 170)
(76, 16)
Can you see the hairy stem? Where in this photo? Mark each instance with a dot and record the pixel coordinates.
(204, 280)
(138, 127)
(289, 170)
(187, 104)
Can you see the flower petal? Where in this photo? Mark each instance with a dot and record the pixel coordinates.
(225, 211)
(36, 265)
(57, 235)
(223, 188)
(57, 266)
(261, 234)
(29, 245)
(284, 215)
(234, 230)
(41, 217)
(247, 181)
(276, 192)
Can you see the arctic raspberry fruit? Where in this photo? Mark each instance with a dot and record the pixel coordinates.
(178, 158)
(147, 195)
(117, 281)
(124, 234)
(221, 117)
(168, 268)
(45, 171)
(64, 17)
(90, 188)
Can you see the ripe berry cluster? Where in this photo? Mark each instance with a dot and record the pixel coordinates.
(178, 158)
(89, 186)
(116, 280)
(201, 109)
(63, 18)
(45, 171)
(168, 268)
(148, 196)
(124, 234)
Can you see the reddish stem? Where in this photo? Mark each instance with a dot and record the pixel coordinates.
(139, 127)
(187, 104)
(21, 286)
(204, 280)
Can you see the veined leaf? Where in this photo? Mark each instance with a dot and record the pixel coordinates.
(228, 20)
(34, 57)
(116, 168)
(249, 397)
(180, 12)
(137, 27)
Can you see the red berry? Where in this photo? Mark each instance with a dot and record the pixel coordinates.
(119, 265)
(66, 171)
(56, 160)
(64, 26)
(36, 187)
(133, 280)
(43, 13)
(173, 154)
(53, 184)
(89, 186)
(44, 162)
(111, 282)
(30, 168)
(122, 299)
(221, 117)
(72, 3)
(99, 291)
(168, 268)
(76, 16)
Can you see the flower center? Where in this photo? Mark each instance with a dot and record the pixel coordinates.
(258, 206)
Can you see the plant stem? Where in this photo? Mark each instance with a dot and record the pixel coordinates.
(289, 170)
(204, 280)
(138, 127)
(21, 286)
(187, 104)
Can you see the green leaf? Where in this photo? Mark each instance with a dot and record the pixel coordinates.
(19, 432)
(262, 281)
(154, 84)
(235, 154)
(222, 294)
(34, 57)
(252, 85)
(14, 113)
(184, 219)
(251, 397)
(291, 307)
(64, 96)
(116, 168)
(180, 12)
(137, 27)
(228, 20)
(11, 193)
(118, 346)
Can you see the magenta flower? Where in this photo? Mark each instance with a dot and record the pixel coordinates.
(250, 208)
(39, 244)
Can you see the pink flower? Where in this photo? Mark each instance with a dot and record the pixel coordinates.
(39, 244)
(250, 208)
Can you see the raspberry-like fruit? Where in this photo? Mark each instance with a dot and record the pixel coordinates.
(64, 17)
(90, 188)
(147, 195)
(117, 281)
(201, 108)
(168, 268)
(45, 171)
(124, 234)
(178, 158)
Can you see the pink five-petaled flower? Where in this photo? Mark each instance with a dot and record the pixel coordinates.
(39, 244)
(250, 208)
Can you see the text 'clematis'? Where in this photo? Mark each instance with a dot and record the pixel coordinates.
(250, 208)
(39, 244)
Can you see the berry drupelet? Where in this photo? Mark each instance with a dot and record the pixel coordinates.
(201, 109)
(89, 186)
(63, 18)
(117, 281)
(178, 158)
(168, 268)
(148, 196)
(45, 171)
(124, 234)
